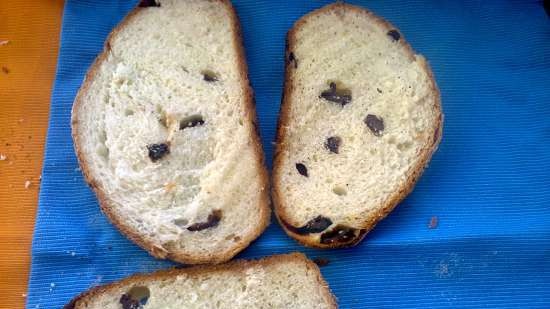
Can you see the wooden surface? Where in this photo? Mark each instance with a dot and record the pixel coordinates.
(27, 69)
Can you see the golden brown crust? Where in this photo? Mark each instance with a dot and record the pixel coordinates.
(425, 155)
(238, 266)
(104, 203)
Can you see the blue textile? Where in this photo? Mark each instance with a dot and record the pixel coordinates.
(488, 184)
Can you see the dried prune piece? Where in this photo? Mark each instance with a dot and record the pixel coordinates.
(339, 234)
(336, 96)
(129, 303)
(191, 121)
(315, 225)
(292, 58)
(321, 262)
(302, 169)
(333, 143)
(148, 3)
(375, 124)
(394, 34)
(157, 151)
(136, 298)
(212, 221)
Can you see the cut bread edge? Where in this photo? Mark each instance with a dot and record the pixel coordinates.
(282, 210)
(154, 249)
(237, 265)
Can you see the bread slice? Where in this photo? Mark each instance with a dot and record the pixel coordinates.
(281, 281)
(360, 119)
(165, 131)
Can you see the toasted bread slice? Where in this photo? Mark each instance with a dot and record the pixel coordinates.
(164, 127)
(359, 122)
(283, 281)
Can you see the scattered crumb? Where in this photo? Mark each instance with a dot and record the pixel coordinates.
(5, 70)
(321, 262)
(73, 253)
(52, 285)
(4, 42)
(27, 184)
(77, 169)
(3, 157)
(433, 222)
(21, 120)
(24, 295)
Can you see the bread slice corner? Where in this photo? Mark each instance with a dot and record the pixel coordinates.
(360, 119)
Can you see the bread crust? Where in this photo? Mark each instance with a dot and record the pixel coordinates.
(106, 205)
(236, 266)
(281, 209)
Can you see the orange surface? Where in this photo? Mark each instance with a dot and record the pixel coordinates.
(27, 69)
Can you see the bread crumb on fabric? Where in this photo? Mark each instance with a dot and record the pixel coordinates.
(28, 183)
(321, 262)
(433, 222)
(3, 157)
(4, 42)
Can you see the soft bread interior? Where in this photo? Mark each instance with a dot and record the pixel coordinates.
(172, 76)
(353, 50)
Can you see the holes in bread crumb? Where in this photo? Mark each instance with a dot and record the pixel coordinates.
(339, 190)
(191, 121)
(181, 222)
(404, 146)
(128, 112)
(210, 76)
(135, 298)
(103, 151)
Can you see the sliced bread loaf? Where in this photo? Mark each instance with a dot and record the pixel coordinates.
(359, 122)
(282, 282)
(165, 131)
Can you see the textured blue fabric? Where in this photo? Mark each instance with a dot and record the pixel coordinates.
(489, 183)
